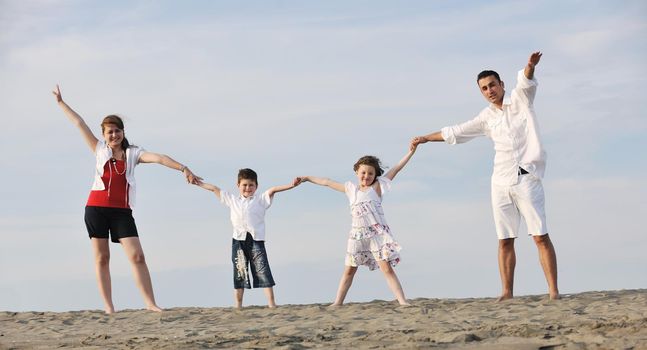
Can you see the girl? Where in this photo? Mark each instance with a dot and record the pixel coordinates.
(108, 210)
(370, 242)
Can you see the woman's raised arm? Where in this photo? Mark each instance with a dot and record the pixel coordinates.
(76, 119)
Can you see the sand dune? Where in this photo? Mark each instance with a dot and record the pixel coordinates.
(591, 320)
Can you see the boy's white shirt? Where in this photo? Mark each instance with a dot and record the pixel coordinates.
(247, 214)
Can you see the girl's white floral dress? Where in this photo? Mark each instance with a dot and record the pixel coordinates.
(370, 237)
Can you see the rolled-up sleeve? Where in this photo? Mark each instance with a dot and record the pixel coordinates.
(464, 132)
(525, 89)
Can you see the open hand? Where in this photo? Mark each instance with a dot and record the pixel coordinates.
(534, 58)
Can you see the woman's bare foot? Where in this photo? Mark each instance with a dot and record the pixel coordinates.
(154, 308)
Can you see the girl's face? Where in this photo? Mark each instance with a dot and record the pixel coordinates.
(365, 175)
(113, 135)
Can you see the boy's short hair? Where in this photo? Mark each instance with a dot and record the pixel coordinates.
(487, 73)
(247, 174)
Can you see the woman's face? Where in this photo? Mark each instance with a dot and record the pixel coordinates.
(113, 135)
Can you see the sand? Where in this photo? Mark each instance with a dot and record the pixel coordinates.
(591, 320)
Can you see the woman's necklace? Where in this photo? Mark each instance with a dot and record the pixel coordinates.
(113, 161)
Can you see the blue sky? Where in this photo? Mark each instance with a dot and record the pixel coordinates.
(291, 88)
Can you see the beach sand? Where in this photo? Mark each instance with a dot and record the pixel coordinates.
(590, 320)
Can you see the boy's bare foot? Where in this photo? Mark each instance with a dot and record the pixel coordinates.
(555, 296)
(504, 297)
(334, 305)
(109, 310)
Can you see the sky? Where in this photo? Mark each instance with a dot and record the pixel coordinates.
(292, 88)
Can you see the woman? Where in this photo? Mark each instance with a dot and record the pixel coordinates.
(109, 207)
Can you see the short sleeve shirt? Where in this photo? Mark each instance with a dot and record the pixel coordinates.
(247, 214)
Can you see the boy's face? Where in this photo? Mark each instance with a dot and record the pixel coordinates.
(247, 187)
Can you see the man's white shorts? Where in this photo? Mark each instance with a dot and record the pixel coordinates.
(525, 199)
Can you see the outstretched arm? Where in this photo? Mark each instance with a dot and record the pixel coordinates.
(296, 182)
(396, 169)
(209, 187)
(533, 61)
(163, 159)
(322, 182)
(433, 137)
(76, 119)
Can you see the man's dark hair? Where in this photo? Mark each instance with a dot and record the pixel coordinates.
(487, 73)
(247, 174)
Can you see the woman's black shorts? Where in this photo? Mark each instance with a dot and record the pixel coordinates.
(119, 222)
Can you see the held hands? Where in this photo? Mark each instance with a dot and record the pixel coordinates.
(416, 141)
(57, 93)
(534, 59)
(191, 178)
(413, 146)
(299, 180)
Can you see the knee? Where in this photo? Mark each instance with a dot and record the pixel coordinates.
(350, 272)
(137, 258)
(506, 243)
(102, 259)
(543, 240)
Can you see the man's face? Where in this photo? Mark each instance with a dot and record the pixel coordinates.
(492, 89)
(247, 187)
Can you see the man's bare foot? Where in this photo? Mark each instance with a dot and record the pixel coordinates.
(109, 310)
(504, 297)
(154, 308)
(334, 305)
(271, 306)
(555, 296)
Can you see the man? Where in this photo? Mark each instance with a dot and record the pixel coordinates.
(519, 164)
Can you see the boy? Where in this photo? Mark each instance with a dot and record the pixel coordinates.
(247, 214)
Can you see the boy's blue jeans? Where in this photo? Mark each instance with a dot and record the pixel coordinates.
(250, 254)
